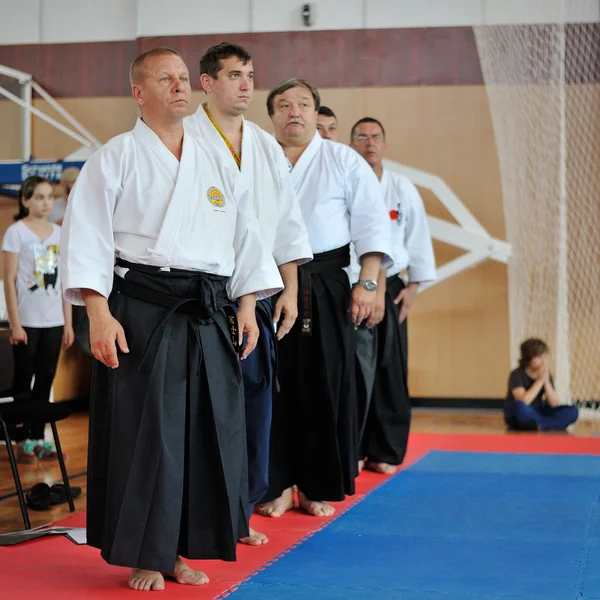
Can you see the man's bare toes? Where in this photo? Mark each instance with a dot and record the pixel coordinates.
(314, 507)
(383, 468)
(255, 538)
(279, 506)
(185, 575)
(145, 581)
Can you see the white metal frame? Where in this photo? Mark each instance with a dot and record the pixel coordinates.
(28, 86)
(469, 234)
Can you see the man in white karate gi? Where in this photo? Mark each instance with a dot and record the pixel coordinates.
(227, 77)
(314, 431)
(382, 351)
(327, 124)
(167, 468)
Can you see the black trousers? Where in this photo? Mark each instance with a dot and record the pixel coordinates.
(167, 463)
(385, 438)
(39, 358)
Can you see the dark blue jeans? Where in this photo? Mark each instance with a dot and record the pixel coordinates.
(522, 417)
(258, 371)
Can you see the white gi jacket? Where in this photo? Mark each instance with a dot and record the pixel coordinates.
(265, 172)
(135, 200)
(340, 199)
(411, 241)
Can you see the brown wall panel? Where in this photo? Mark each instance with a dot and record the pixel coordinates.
(427, 56)
(345, 58)
(85, 69)
(358, 57)
(102, 117)
(10, 128)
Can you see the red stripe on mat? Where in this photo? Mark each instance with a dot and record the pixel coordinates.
(55, 568)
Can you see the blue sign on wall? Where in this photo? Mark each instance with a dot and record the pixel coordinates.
(16, 172)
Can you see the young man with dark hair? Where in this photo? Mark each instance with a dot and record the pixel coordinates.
(327, 124)
(314, 419)
(531, 401)
(167, 467)
(382, 350)
(227, 77)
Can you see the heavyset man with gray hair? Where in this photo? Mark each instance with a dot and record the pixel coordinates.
(314, 429)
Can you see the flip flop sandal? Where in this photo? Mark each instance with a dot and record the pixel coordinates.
(58, 493)
(38, 497)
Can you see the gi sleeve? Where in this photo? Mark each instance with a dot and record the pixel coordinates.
(291, 238)
(421, 260)
(87, 240)
(369, 221)
(255, 271)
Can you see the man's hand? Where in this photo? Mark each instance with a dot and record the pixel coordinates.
(362, 304)
(68, 337)
(407, 297)
(378, 312)
(105, 334)
(246, 318)
(247, 325)
(17, 336)
(287, 304)
(105, 331)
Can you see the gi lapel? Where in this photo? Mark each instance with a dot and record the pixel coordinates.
(299, 170)
(148, 139)
(183, 191)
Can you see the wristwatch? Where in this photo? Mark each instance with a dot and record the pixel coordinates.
(369, 284)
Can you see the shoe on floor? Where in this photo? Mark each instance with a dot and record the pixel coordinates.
(26, 453)
(46, 451)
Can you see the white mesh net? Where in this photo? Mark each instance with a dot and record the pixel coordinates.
(543, 85)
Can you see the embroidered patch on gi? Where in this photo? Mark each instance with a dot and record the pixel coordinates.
(396, 215)
(215, 197)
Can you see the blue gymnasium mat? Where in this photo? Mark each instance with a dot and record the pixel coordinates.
(456, 526)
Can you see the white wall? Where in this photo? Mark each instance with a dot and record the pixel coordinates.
(55, 21)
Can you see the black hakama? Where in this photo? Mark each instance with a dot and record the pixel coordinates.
(365, 340)
(314, 427)
(388, 423)
(167, 467)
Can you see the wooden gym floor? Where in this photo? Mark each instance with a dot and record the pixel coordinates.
(73, 435)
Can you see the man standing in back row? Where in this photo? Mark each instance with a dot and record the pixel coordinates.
(382, 352)
(327, 124)
(227, 77)
(314, 432)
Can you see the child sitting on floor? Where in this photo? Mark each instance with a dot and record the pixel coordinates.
(532, 402)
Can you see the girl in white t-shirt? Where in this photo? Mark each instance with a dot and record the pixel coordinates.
(40, 319)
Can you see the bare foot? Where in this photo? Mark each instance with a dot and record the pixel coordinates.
(383, 468)
(145, 581)
(315, 508)
(361, 465)
(182, 573)
(255, 538)
(278, 507)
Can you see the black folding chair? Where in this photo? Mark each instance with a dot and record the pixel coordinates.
(24, 409)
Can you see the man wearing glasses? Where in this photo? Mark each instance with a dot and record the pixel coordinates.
(382, 350)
